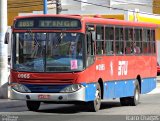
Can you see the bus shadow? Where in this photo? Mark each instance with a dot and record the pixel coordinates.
(73, 109)
(108, 105)
(69, 109)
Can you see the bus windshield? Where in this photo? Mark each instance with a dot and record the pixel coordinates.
(48, 52)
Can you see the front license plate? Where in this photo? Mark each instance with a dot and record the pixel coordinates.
(43, 96)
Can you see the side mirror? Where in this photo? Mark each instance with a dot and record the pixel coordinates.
(6, 40)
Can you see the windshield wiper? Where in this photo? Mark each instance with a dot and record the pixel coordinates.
(36, 43)
(31, 35)
(58, 39)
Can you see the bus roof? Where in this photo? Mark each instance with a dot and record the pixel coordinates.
(95, 20)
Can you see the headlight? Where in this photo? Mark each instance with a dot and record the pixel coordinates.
(19, 87)
(72, 88)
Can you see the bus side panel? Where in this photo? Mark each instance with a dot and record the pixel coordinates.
(109, 88)
(90, 91)
(129, 88)
(116, 89)
(154, 66)
(148, 84)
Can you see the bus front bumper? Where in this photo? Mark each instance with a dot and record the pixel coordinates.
(74, 96)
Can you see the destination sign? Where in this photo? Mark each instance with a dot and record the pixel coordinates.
(47, 23)
(26, 23)
(58, 23)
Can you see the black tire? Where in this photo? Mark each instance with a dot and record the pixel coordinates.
(33, 105)
(133, 100)
(95, 105)
(124, 101)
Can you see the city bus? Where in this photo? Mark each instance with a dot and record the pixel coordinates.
(77, 59)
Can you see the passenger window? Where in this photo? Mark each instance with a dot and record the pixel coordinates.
(137, 44)
(99, 40)
(129, 40)
(100, 33)
(119, 41)
(146, 39)
(109, 40)
(152, 42)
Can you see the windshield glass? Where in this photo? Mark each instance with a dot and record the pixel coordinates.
(47, 52)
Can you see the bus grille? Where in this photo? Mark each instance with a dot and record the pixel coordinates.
(46, 81)
(37, 88)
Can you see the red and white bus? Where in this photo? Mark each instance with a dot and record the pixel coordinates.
(71, 58)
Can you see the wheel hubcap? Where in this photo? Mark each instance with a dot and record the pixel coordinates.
(98, 97)
(137, 94)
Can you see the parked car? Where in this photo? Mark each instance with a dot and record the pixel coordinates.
(158, 69)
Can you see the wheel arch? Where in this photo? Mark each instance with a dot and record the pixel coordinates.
(139, 81)
(100, 81)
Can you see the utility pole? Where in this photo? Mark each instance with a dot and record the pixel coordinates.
(3, 50)
(58, 6)
(44, 6)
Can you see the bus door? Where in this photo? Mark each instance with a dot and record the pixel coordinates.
(90, 50)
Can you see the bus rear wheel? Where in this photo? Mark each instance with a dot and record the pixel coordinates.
(133, 100)
(33, 105)
(95, 105)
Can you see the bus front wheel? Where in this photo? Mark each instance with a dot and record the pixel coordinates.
(33, 105)
(95, 105)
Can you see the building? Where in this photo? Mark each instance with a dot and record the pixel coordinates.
(23, 7)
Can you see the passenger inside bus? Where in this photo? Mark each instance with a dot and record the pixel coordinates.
(132, 48)
(118, 50)
(128, 49)
(145, 48)
(72, 50)
(129, 40)
(136, 49)
(76, 49)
